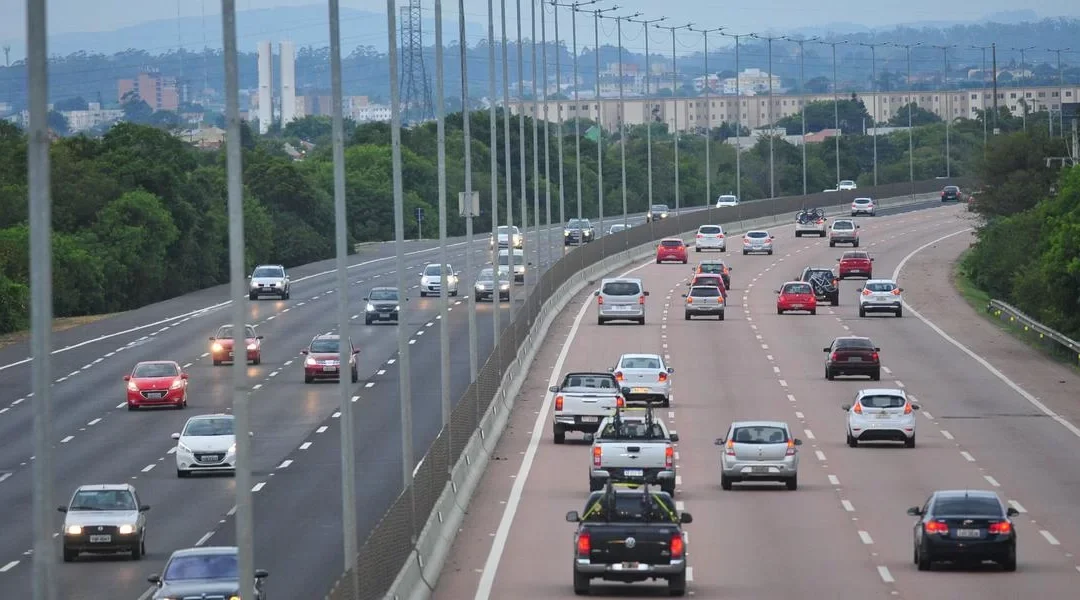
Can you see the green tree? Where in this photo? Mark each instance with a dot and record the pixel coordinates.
(919, 116)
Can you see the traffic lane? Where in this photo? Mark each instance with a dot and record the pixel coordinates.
(880, 487)
(718, 383)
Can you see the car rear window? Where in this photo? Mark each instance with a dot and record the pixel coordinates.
(325, 346)
(621, 288)
(758, 234)
(672, 243)
(705, 292)
(843, 225)
(708, 280)
(883, 401)
(640, 362)
(714, 268)
(880, 287)
(952, 188)
(968, 507)
(825, 272)
(590, 381)
(855, 343)
(797, 288)
(763, 434)
(858, 255)
(711, 229)
(862, 201)
(630, 507)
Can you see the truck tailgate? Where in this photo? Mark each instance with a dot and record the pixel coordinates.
(642, 455)
(587, 403)
(652, 542)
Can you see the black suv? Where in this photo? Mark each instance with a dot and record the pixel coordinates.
(657, 212)
(950, 193)
(825, 283)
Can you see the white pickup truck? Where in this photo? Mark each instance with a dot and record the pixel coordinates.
(633, 447)
(583, 400)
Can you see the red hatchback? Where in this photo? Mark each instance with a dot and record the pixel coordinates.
(156, 383)
(796, 296)
(671, 249)
(856, 263)
(323, 358)
(221, 347)
(709, 280)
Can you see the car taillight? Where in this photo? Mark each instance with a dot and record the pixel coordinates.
(768, 239)
(690, 300)
(857, 409)
(599, 299)
(641, 299)
(662, 377)
(720, 236)
(865, 292)
(620, 402)
(669, 457)
(820, 221)
(1000, 528)
(790, 448)
(558, 402)
(730, 448)
(907, 408)
(896, 292)
(942, 194)
(726, 271)
(699, 236)
(618, 376)
(584, 544)
(936, 527)
(874, 356)
(832, 357)
(746, 241)
(677, 545)
(597, 454)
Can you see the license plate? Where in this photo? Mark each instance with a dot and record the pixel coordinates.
(883, 416)
(631, 565)
(759, 469)
(210, 458)
(622, 308)
(639, 390)
(968, 533)
(589, 419)
(329, 369)
(796, 306)
(230, 355)
(633, 472)
(156, 395)
(854, 359)
(100, 539)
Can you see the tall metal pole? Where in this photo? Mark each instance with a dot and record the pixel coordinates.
(622, 114)
(738, 119)
(1025, 81)
(1061, 92)
(348, 451)
(910, 103)
(675, 104)
(508, 165)
(523, 184)
(772, 124)
(41, 305)
(547, 136)
(535, 139)
(444, 257)
(993, 59)
(802, 96)
(986, 133)
(873, 91)
(466, 126)
(404, 362)
(599, 121)
(836, 106)
(558, 107)
(948, 107)
(648, 103)
(245, 520)
(493, 144)
(708, 117)
(577, 115)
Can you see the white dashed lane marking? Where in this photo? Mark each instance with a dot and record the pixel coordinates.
(865, 537)
(11, 565)
(886, 576)
(258, 486)
(305, 445)
(848, 506)
(67, 439)
(321, 429)
(991, 481)
(1019, 507)
(834, 480)
(967, 456)
(1053, 541)
(945, 434)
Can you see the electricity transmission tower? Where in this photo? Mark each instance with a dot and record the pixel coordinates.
(415, 85)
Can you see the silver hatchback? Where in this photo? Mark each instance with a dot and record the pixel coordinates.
(757, 241)
(756, 451)
(621, 299)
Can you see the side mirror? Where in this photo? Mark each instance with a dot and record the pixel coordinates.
(673, 436)
(572, 517)
(261, 574)
(915, 511)
(845, 407)
(670, 371)
(859, 290)
(258, 337)
(645, 293)
(625, 391)
(719, 442)
(596, 293)
(901, 289)
(731, 268)
(838, 260)
(212, 338)
(127, 377)
(1011, 512)
(553, 389)
(62, 509)
(825, 349)
(175, 436)
(684, 295)
(871, 260)
(686, 518)
(365, 298)
(304, 351)
(776, 291)
(798, 442)
(144, 508)
(183, 376)
(877, 349)
(154, 579)
(915, 406)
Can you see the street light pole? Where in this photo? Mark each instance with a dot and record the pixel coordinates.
(547, 136)
(986, 134)
(508, 163)
(772, 124)
(622, 114)
(599, 121)
(1061, 93)
(648, 100)
(802, 96)
(466, 117)
(493, 145)
(1026, 80)
(873, 91)
(535, 140)
(948, 107)
(738, 118)
(675, 104)
(523, 184)
(708, 115)
(911, 102)
(836, 106)
(445, 401)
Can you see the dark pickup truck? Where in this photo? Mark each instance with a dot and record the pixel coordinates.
(629, 533)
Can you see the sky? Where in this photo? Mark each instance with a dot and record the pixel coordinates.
(69, 16)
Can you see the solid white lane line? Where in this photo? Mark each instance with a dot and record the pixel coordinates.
(1053, 541)
(991, 481)
(848, 506)
(305, 445)
(67, 439)
(285, 464)
(820, 455)
(834, 480)
(258, 486)
(11, 565)
(321, 429)
(809, 434)
(1019, 507)
(886, 576)
(945, 434)
(967, 456)
(149, 467)
(865, 537)
(206, 537)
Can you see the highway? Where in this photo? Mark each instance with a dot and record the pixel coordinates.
(296, 452)
(844, 533)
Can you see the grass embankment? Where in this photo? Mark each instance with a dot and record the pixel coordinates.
(60, 324)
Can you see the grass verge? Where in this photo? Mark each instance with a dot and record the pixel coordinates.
(61, 324)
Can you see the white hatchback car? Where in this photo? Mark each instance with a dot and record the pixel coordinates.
(727, 200)
(431, 280)
(759, 451)
(758, 240)
(881, 295)
(863, 206)
(207, 443)
(881, 415)
(710, 237)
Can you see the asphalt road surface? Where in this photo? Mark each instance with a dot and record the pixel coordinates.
(844, 533)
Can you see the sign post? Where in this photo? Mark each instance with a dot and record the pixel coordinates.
(471, 207)
(419, 223)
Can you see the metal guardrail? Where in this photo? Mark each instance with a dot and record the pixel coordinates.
(1001, 310)
(394, 537)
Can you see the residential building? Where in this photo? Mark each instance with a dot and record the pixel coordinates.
(93, 116)
(751, 82)
(156, 90)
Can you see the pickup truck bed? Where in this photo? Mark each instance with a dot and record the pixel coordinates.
(582, 402)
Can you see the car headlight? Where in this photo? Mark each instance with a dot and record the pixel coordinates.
(234, 597)
(311, 361)
(74, 530)
(180, 447)
(216, 347)
(504, 286)
(179, 383)
(127, 529)
(663, 215)
(566, 233)
(232, 449)
(252, 347)
(397, 307)
(132, 387)
(479, 287)
(370, 307)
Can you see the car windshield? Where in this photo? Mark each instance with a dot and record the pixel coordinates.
(707, 280)
(156, 370)
(862, 201)
(847, 182)
(269, 272)
(659, 208)
(615, 228)
(433, 270)
(384, 294)
(797, 288)
(710, 229)
(714, 268)
(855, 344)
(202, 566)
(727, 199)
(883, 401)
(758, 234)
(630, 507)
(621, 288)
(705, 292)
(856, 255)
(761, 434)
(635, 430)
(880, 287)
(577, 224)
(672, 243)
(209, 427)
(843, 225)
(102, 500)
(968, 507)
(486, 275)
(324, 346)
(226, 332)
(952, 189)
(590, 381)
(639, 362)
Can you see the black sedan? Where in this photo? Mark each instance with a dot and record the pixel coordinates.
(853, 355)
(950, 193)
(578, 231)
(964, 526)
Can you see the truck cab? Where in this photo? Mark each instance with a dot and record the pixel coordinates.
(582, 400)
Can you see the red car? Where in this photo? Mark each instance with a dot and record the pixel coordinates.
(796, 296)
(709, 280)
(156, 383)
(671, 249)
(221, 348)
(323, 356)
(856, 263)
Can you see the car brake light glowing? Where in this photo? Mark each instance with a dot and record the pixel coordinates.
(790, 448)
(857, 409)
(669, 457)
(730, 448)
(620, 402)
(690, 300)
(896, 292)
(597, 454)
(1000, 528)
(699, 236)
(558, 402)
(662, 377)
(584, 544)
(874, 356)
(599, 299)
(618, 376)
(936, 527)
(677, 545)
(641, 300)
(865, 292)
(832, 357)
(746, 241)
(907, 408)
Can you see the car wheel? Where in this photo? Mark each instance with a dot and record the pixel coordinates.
(910, 442)
(686, 316)
(770, 252)
(696, 249)
(862, 312)
(899, 312)
(136, 551)
(367, 320)
(70, 555)
(258, 360)
(876, 375)
(581, 584)
(641, 321)
(855, 244)
(1009, 564)
(132, 407)
(852, 441)
(779, 311)
(835, 300)
(684, 261)
(182, 474)
(924, 562)
(813, 311)
(308, 379)
(476, 298)
(217, 363)
(725, 482)
(793, 483)
(829, 374)
(599, 320)
(560, 436)
(252, 297)
(454, 293)
(720, 317)
(797, 234)
(744, 253)
(677, 585)
(832, 244)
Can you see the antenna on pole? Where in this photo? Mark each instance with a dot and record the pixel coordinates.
(7, 55)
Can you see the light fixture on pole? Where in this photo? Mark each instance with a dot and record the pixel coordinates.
(836, 106)
(648, 116)
(1025, 80)
(599, 121)
(675, 103)
(948, 107)
(622, 113)
(493, 145)
(874, 92)
(772, 123)
(466, 126)
(986, 135)
(738, 117)
(708, 114)
(802, 102)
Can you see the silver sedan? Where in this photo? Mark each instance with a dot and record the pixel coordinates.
(756, 451)
(647, 376)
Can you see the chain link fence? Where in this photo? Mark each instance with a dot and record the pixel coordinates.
(393, 539)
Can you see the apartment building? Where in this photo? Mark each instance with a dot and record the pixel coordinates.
(156, 90)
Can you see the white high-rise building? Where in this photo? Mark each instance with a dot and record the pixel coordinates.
(288, 83)
(266, 87)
